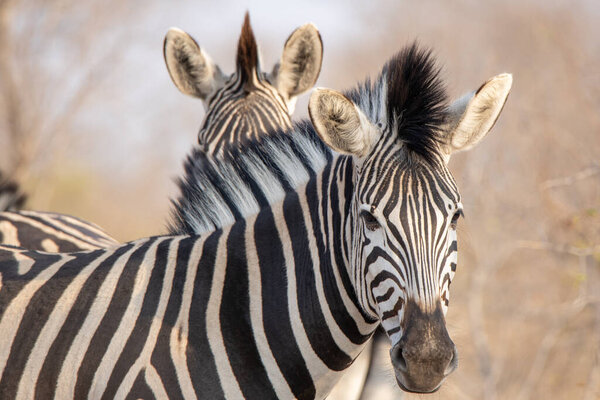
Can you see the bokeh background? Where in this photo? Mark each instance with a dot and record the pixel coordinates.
(91, 125)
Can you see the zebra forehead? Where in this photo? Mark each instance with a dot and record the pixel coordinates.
(396, 180)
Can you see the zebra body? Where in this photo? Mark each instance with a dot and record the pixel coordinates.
(51, 232)
(277, 303)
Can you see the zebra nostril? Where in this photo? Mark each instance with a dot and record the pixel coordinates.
(453, 364)
(398, 359)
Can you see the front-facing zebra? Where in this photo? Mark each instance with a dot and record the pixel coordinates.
(276, 304)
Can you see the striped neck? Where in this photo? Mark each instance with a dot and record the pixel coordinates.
(287, 309)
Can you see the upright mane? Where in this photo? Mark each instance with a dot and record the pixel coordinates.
(218, 190)
(247, 53)
(409, 96)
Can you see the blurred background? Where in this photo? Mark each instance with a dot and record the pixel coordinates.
(91, 125)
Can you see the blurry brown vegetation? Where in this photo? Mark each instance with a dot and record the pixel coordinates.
(525, 309)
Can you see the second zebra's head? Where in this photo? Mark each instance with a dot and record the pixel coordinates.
(249, 102)
(399, 132)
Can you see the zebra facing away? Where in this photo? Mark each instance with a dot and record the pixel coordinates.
(240, 107)
(277, 303)
(248, 103)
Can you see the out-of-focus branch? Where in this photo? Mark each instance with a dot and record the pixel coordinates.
(559, 248)
(569, 180)
(488, 367)
(546, 346)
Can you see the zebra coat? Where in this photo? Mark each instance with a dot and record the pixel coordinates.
(275, 304)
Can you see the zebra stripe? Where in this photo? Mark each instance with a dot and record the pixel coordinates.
(51, 232)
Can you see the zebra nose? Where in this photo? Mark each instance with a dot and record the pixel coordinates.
(423, 372)
(425, 354)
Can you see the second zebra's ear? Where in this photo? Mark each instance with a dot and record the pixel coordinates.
(340, 124)
(300, 63)
(190, 68)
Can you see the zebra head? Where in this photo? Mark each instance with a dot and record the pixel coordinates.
(405, 205)
(248, 102)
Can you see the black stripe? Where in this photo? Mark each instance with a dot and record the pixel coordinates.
(276, 318)
(200, 360)
(161, 356)
(236, 326)
(140, 389)
(308, 301)
(385, 296)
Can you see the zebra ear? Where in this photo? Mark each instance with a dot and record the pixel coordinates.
(191, 69)
(472, 116)
(339, 123)
(300, 63)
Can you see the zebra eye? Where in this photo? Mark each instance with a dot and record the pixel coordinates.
(455, 217)
(370, 221)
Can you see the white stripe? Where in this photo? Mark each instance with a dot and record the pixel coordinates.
(9, 233)
(180, 332)
(155, 383)
(229, 383)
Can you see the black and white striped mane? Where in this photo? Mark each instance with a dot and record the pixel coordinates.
(216, 191)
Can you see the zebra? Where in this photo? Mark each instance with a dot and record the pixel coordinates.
(51, 232)
(253, 102)
(11, 197)
(248, 103)
(276, 304)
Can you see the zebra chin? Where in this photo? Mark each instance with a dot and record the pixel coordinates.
(425, 355)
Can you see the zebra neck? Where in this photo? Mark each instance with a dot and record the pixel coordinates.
(280, 302)
(310, 226)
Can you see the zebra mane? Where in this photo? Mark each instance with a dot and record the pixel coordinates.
(410, 97)
(218, 190)
(247, 53)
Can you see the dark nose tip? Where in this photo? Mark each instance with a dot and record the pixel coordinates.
(398, 360)
(403, 357)
(421, 369)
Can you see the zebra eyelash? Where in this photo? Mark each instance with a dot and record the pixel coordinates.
(371, 222)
